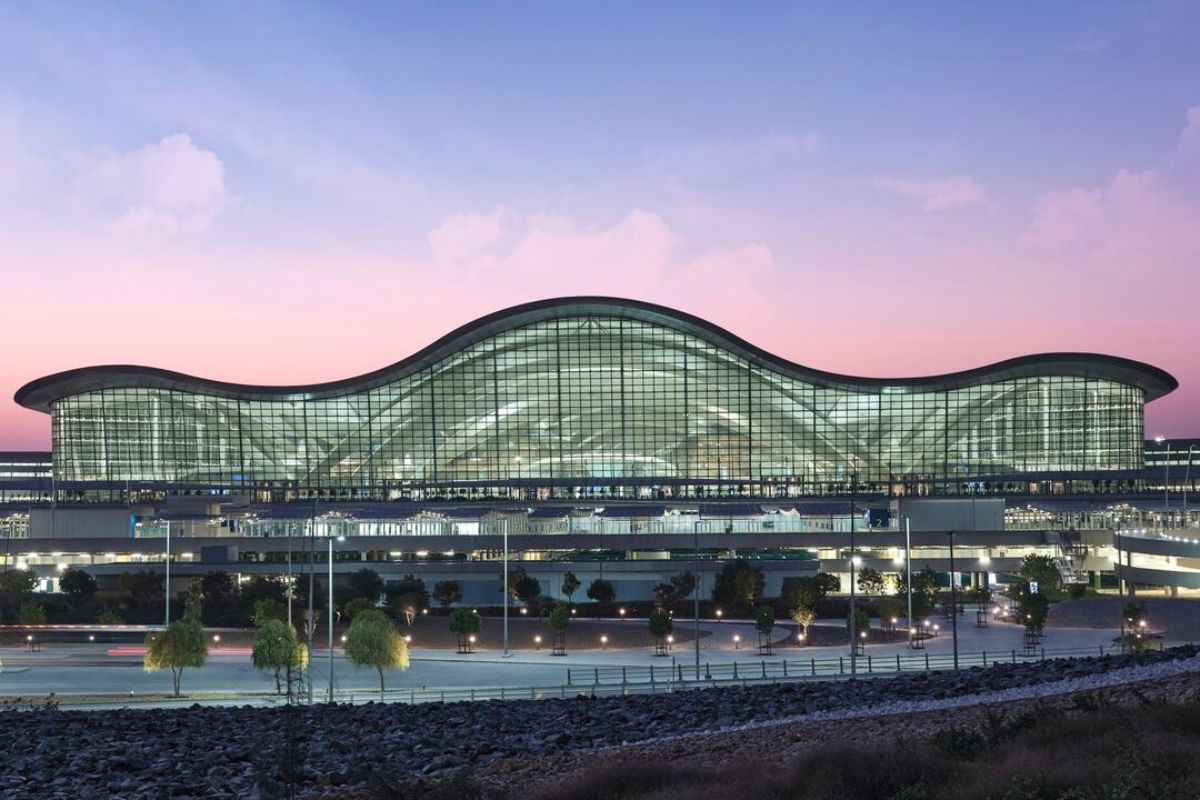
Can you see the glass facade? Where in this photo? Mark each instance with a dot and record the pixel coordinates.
(597, 399)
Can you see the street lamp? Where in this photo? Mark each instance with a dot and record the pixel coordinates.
(953, 601)
(340, 539)
(167, 580)
(853, 612)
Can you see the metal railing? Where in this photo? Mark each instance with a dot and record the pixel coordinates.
(653, 679)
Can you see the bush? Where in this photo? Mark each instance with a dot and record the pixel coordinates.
(31, 613)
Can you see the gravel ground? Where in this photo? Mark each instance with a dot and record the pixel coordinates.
(233, 752)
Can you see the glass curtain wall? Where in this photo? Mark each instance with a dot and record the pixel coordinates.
(597, 399)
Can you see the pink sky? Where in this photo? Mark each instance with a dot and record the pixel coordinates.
(905, 197)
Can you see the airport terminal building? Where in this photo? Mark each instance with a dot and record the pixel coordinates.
(559, 421)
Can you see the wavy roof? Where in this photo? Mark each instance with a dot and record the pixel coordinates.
(40, 393)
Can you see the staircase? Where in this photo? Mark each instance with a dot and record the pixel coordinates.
(1069, 557)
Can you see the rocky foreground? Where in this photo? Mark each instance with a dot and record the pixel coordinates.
(242, 752)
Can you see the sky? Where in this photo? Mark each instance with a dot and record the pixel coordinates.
(279, 193)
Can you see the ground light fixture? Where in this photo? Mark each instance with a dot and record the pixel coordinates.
(737, 641)
(603, 642)
(408, 638)
(719, 615)
(537, 642)
(621, 612)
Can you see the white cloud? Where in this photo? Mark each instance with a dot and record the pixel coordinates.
(1148, 219)
(639, 252)
(462, 235)
(169, 187)
(939, 193)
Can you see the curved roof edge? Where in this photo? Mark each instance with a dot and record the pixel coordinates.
(40, 393)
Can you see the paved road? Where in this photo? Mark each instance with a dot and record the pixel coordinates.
(90, 669)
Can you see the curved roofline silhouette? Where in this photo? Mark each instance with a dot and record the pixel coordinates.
(40, 393)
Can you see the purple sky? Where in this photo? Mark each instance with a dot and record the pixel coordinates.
(296, 193)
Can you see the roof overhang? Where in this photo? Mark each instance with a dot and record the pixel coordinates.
(41, 393)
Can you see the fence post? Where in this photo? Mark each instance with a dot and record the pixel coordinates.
(568, 676)
(984, 658)
(1014, 655)
(532, 696)
(596, 672)
(814, 665)
(707, 671)
(472, 695)
(501, 692)
(869, 668)
(651, 673)
(680, 671)
(785, 668)
(623, 681)
(927, 661)
(1043, 654)
(735, 677)
(897, 663)
(841, 666)
(763, 664)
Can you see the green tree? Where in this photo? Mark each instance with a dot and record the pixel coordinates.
(804, 617)
(862, 621)
(797, 591)
(684, 584)
(738, 584)
(447, 593)
(364, 583)
(828, 583)
(1032, 608)
(764, 620)
(268, 609)
(276, 649)
(77, 585)
(527, 588)
(373, 641)
(16, 586)
(661, 625)
(181, 645)
(463, 623)
(408, 596)
(924, 592)
(1042, 570)
(357, 606)
(570, 585)
(890, 608)
(870, 581)
(559, 618)
(30, 613)
(602, 591)
(664, 595)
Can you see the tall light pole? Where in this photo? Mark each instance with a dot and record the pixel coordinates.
(853, 622)
(167, 581)
(504, 522)
(340, 539)
(1166, 480)
(953, 601)
(310, 625)
(696, 591)
(1187, 477)
(908, 577)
